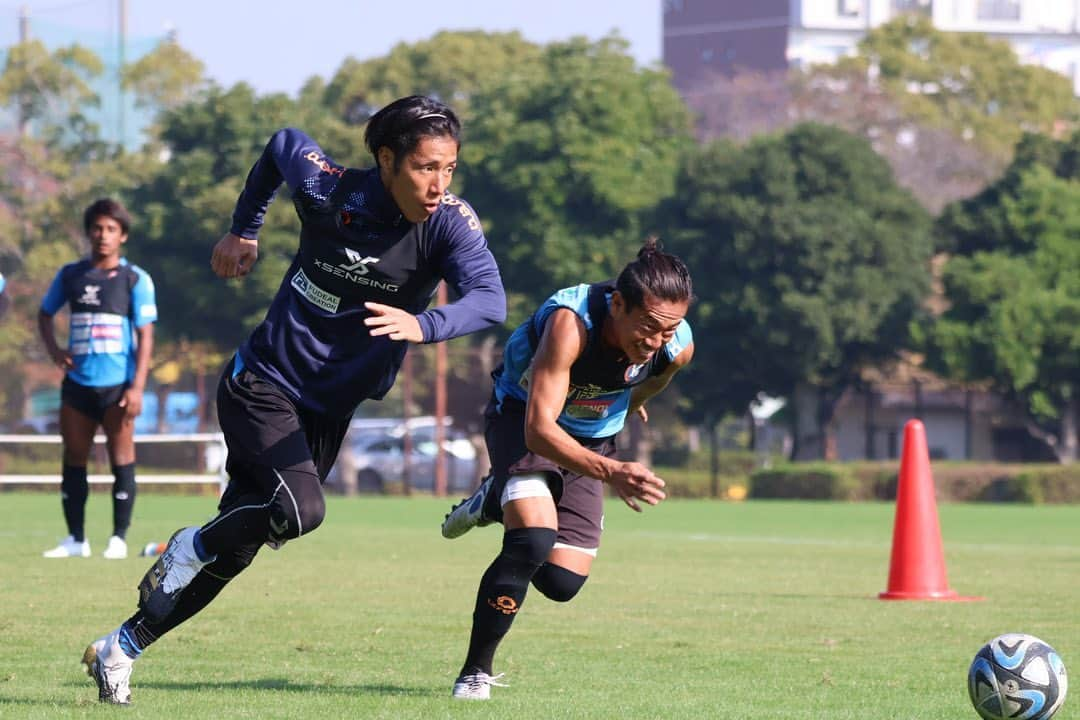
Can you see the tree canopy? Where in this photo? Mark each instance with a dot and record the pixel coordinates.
(811, 261)
(1013, 286)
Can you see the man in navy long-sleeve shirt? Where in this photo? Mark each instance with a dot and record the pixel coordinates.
(374, 244)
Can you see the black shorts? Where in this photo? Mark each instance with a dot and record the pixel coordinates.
(91, 401)
(579, 499)
(265, 430)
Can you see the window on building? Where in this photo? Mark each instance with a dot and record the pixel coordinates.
(922, 7)
(849, 8)
(998, 10)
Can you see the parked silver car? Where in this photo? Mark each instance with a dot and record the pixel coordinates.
(378, 457)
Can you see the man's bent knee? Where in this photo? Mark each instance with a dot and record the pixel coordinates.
(557, 583)
(293, 514)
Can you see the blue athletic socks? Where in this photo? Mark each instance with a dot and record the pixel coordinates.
(199, 549)
(128, 642)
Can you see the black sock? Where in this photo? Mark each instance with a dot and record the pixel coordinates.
(502, 591)
(73, 493)
(123, 498)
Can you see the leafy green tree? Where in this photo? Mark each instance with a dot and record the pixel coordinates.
(453, 66)
(48, 87)
(968, 82)
(187, 206)
(809, 263)
(565, 155)
(164, 78)
(1014, 293)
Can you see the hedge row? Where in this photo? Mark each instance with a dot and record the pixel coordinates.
(953, 482)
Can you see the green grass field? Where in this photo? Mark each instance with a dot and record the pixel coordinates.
(694, 610)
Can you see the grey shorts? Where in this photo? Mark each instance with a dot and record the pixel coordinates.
(579, 499)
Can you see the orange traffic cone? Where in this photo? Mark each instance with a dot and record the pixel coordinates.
(917, 568)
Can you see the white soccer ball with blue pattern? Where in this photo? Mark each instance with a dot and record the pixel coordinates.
(1017, 677)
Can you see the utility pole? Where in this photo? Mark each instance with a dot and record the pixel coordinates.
(440, 406)
(120, 72)
(406, 415)
(24, 37)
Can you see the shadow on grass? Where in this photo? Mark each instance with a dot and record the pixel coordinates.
(285, 685)
(278, 684)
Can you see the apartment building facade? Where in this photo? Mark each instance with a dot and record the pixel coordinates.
(708, 36)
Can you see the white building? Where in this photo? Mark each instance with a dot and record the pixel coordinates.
(727, 35)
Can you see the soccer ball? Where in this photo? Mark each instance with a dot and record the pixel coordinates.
(1017, 676)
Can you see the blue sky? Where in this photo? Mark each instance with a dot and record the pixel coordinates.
(275, 45)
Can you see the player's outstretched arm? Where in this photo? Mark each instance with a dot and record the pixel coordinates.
(561, 344)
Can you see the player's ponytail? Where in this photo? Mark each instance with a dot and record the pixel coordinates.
(655, 273)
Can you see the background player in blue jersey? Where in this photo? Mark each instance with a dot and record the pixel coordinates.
(110, 339)
(571, 373)
(374, 244)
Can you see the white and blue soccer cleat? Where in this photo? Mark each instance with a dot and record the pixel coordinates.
(110, 668)
(468, 513)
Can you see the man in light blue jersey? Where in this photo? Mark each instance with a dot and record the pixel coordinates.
(110, 339)
(571, 374)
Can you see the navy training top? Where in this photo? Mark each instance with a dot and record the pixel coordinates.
(355, 247)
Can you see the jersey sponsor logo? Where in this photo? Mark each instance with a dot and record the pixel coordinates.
(463, 210)
(357, 264)
(90, 295)
(323, 164)
(106, 331)
(356, 269)
(81, 319)
(315, 294)
(588, 409)
(589, 402)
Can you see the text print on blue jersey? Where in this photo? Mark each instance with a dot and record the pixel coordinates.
(355, 269)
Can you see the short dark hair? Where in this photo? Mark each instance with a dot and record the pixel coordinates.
(401, 124)
(109, 208)
(655, 273)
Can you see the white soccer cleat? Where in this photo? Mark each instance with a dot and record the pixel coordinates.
(68, 547)
(468, 513)
(173, 571)
(476, 686)
(110, 668)
(116, 549)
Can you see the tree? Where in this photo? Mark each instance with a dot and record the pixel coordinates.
(452, 66)
(968, 82)
(164, 78)
(187, 206)
(565, 156)
(929, 159)
(49, 91)
(810, 262)
(1014, 294)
